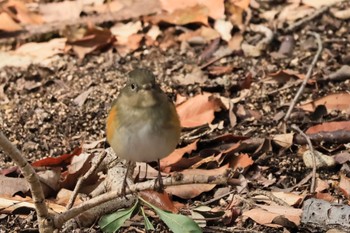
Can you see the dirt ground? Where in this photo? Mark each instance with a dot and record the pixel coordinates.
(44, 118)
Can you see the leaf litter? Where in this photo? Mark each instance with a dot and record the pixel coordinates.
(252, 144)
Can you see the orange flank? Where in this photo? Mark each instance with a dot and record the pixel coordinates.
(111, 123)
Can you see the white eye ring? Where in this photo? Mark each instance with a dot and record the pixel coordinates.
(133, 86)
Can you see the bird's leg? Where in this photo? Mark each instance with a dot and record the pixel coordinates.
(160, 186)
(125, 181)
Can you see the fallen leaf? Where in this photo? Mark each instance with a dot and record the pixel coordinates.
(224, 28)
(267, 215)
(9, 205)
(78, 167)
(320, 3)
(20, 12)
(283, 76)
(195, 14)
(177, 154)
(57, 161)
(59, 11)
(241, 161)
(10, 186)
(339, 101)
(291, 199)
(329, 127)
(80, 99)
(321, 185)
(284, 140)
(198, 110)
(161, 200)
(321, 160)
(124, 31)
(244, 4)
(342, 157)
(344, 185)
(38, 52)
(216, 7)
(93, 39)
(196, 76)
(8, 24)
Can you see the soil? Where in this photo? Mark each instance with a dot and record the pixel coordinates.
(43, 117)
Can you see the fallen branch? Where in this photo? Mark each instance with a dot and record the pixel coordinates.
(177, 179)
(308, 75)
(313, 178)
(45, 223)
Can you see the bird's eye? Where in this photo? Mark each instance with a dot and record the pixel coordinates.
(133, 86)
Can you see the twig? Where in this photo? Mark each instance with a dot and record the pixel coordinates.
(270, 196)
(81, 179)
(315, 14)
(45, 224)
(179, 179)
(313, 179)
(308, 75)
(218, 198)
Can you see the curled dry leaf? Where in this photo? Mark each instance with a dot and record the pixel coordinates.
(176, 155)
(92, 39)
(329, 127)
(8, 24)
(344, 185)
(195, 14)
(10, 186)
(339, 101)
(216, 7)
(284, 140)
(161, 200)
(198, 110)
(322, 160)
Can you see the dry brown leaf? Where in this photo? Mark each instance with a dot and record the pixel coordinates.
(161, 200)
(207, 34)
(10, 186)
(235, 43)
(198, 110)
(284, 140)
(283, 76)
(195, 14)
(319, 3)
(266, 215)
(242, 161)
(8, 24)
(20, 12)
(292, 199)
(59, 11)
(321, 185)
(188, 191)
(344, 185)
(339, 101)
(8, 205)
(244, 4)
(216, 7)
(41, 51)
(329, 127)
(93, 39)
(177, 154)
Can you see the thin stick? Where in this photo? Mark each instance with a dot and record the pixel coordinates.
(308, 75)
(81, 179)
(315, 14)
(33, 180)
(313, 178)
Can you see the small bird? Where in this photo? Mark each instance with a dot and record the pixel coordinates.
(142, 125)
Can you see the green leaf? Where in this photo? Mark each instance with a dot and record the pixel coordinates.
(148, 223)
(112, 222)
(176, 222)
